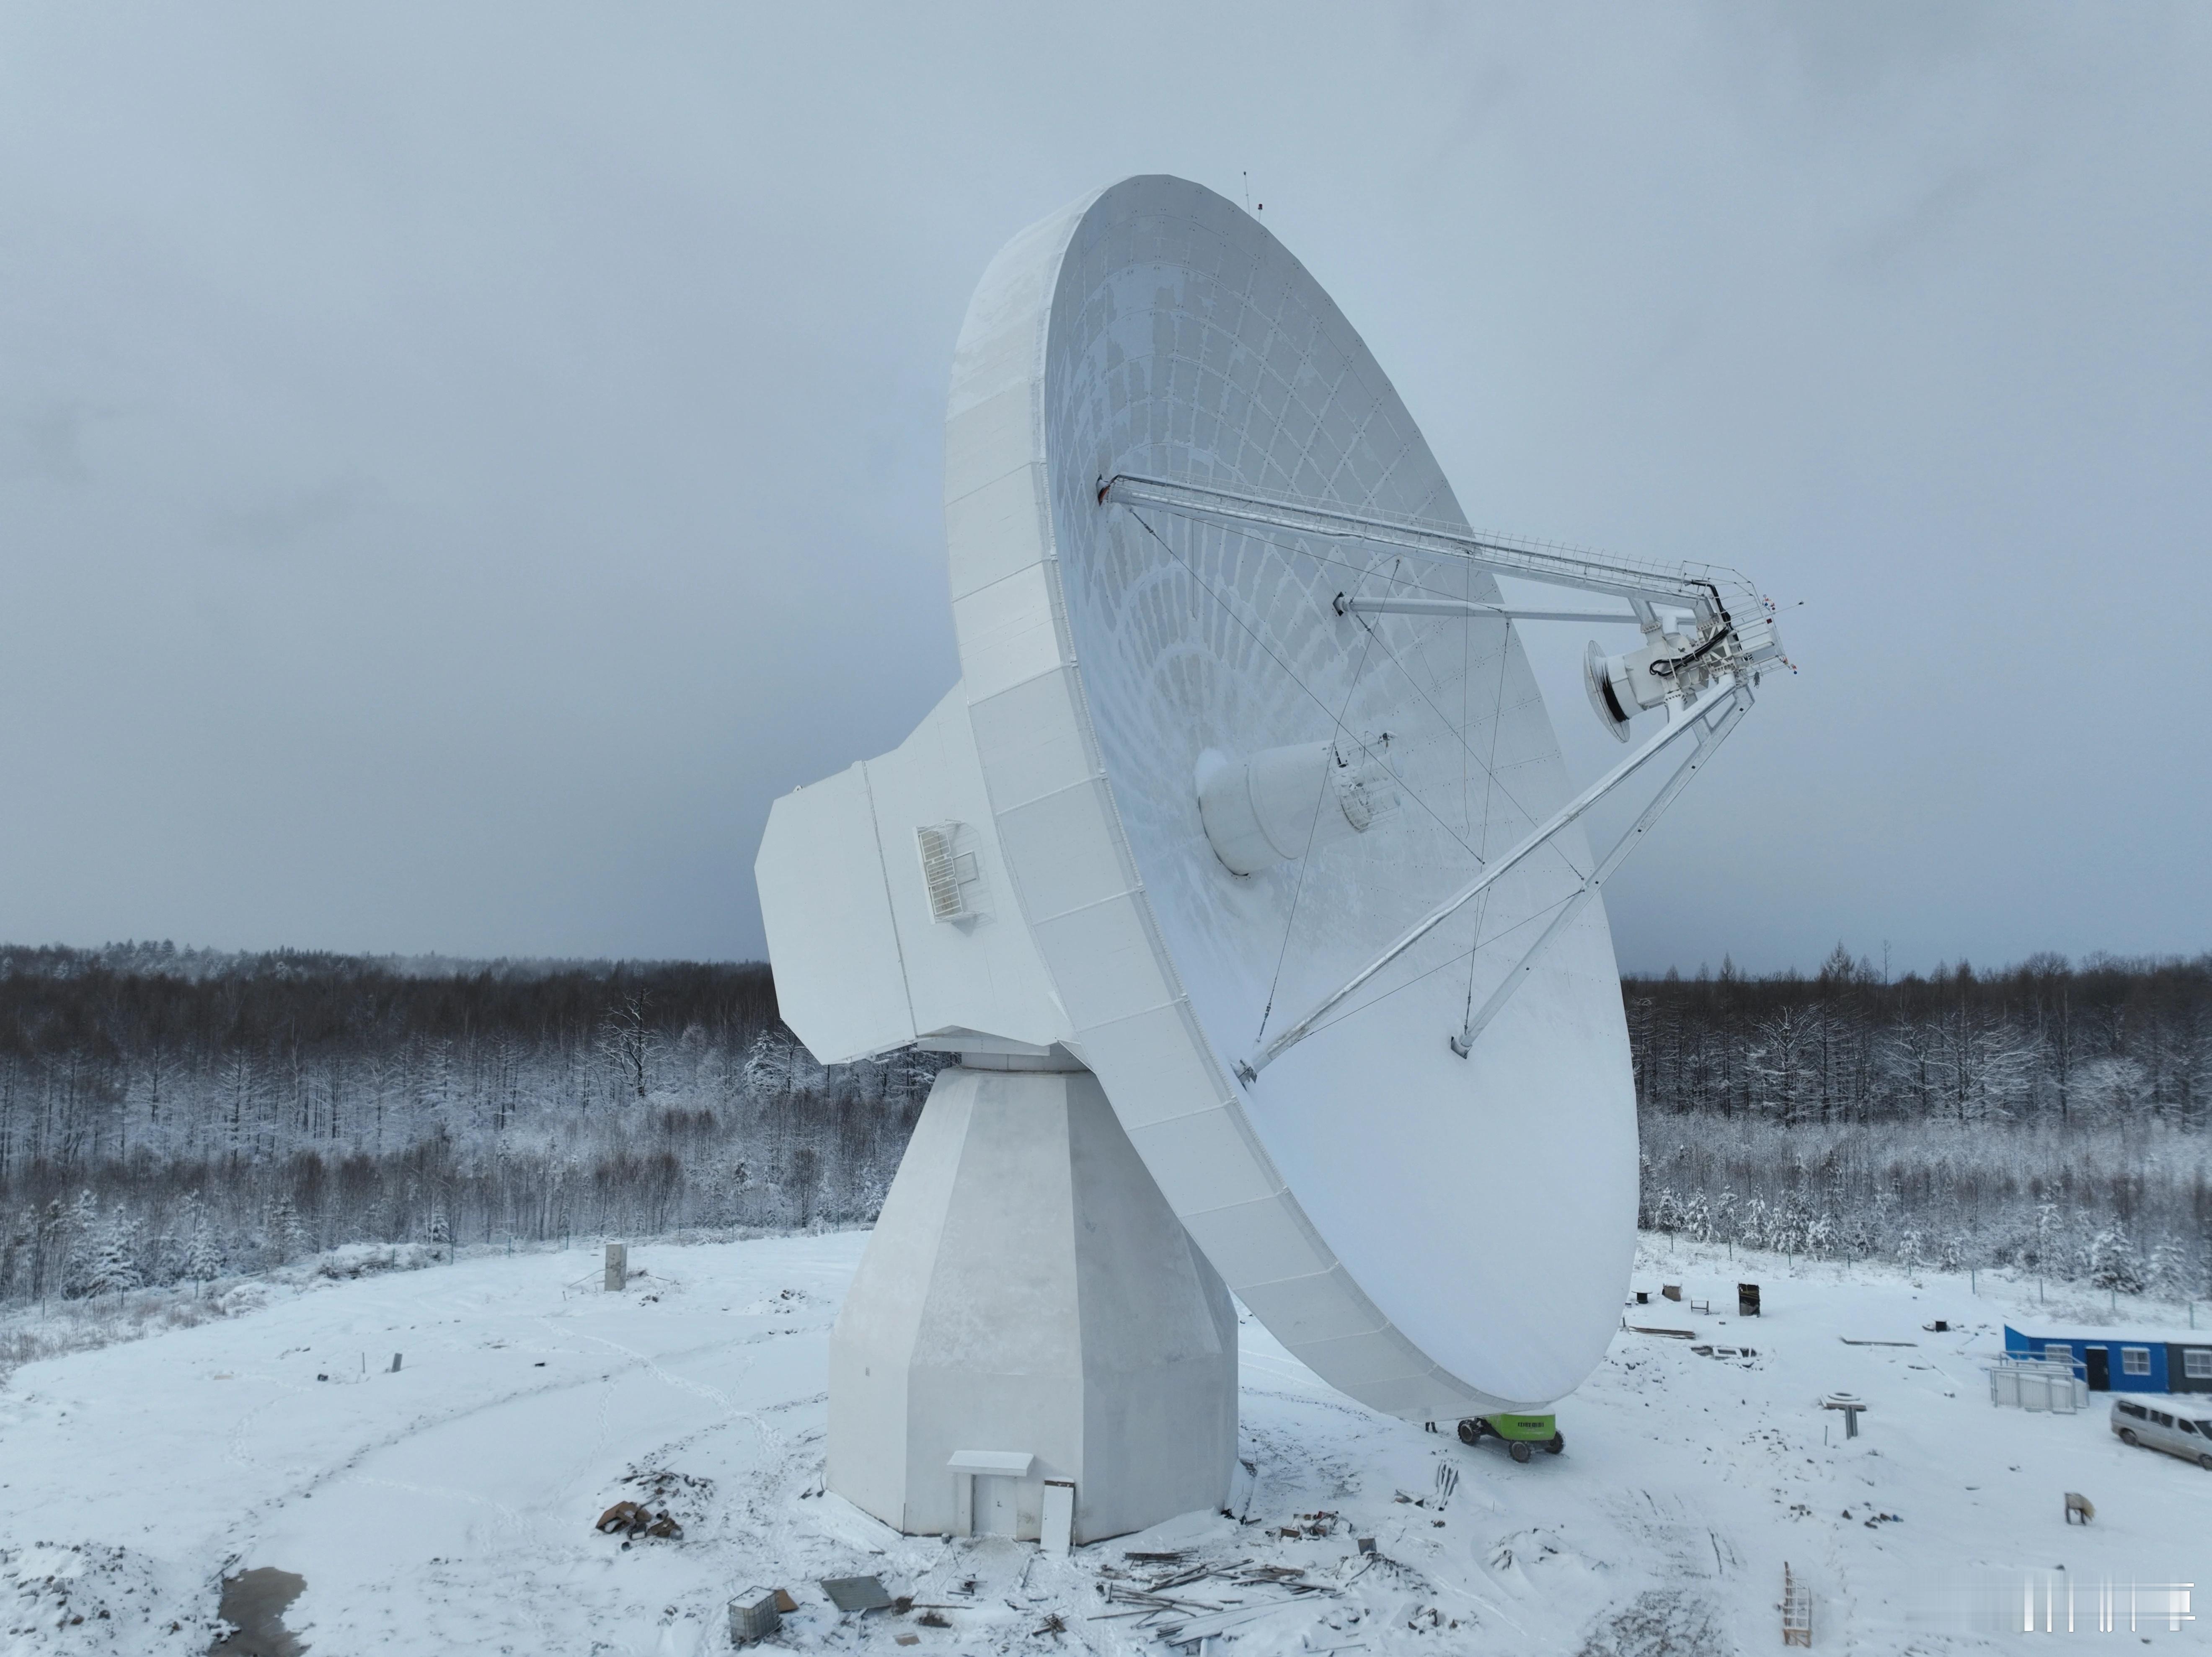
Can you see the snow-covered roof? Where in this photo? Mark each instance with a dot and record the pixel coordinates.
(2122, 1336)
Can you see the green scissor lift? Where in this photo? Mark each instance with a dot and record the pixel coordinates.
(1524, 1435)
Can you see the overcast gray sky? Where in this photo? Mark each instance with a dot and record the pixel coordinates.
(458, 464)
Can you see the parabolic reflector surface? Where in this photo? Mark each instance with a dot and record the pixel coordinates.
(1434, 1235)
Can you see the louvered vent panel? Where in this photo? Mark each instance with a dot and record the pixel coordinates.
(940, 872)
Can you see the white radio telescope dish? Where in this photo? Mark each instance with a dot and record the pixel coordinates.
(1276, 830)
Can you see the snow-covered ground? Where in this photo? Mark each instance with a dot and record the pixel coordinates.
(449, 1507)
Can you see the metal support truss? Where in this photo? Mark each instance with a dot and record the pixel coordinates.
(1639, 583)
(1350, 605)
(1709, 724)
(1712, 726)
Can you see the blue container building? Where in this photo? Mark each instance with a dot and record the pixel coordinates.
(2125, 1361)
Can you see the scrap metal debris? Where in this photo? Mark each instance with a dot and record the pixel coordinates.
(649, 1513)
(854, 1594)
(1165, 1605)
(659, 1484)
(634, 1519)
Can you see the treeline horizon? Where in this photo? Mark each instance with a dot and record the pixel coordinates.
(2116, 1036)
(2045, 1116)
(172, 1114)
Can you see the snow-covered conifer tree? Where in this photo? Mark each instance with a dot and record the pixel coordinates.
(203, 1260)
(288, 1234)
(2113, 1262)
(114, 1265)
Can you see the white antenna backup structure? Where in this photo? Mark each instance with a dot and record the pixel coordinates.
(1242, 873)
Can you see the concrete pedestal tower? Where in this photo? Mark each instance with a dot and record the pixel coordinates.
(1030, 1308)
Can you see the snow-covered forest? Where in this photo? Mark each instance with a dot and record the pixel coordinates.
(2047, 1117)
(170, 1115)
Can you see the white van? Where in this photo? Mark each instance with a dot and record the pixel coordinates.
(2189, 1438)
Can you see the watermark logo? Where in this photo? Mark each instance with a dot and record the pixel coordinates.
(2056, 1601)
